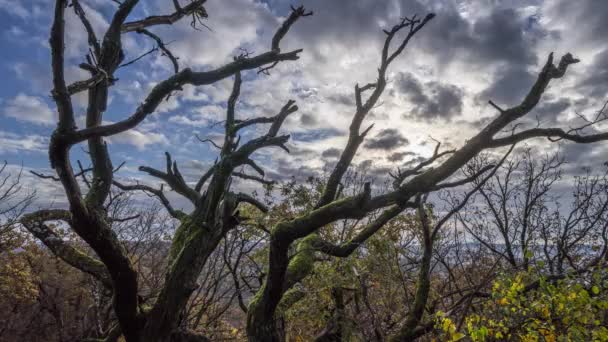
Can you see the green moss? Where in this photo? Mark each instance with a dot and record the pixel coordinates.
(145, 308)
(290, 297)
(304, 260)
(256, 299)
(299, 267)
(180, 215)
(279, 229)
(182, 234)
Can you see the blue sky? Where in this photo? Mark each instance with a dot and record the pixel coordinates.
(472, 52)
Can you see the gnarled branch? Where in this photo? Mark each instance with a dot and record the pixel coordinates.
(35, 223)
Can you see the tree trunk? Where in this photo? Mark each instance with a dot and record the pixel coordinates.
(263, 329)
(198, 243)
(408, 330)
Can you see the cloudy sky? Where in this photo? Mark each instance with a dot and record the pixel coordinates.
(472, 52)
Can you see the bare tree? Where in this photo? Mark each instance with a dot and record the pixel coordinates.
(15, 287)
(517, 215)
(512, 207)
(14, 201)
(293, 242)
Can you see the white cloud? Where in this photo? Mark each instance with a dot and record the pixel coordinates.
(140, 139)
(233, 23)
(15, 32)
(48, 193)
(15, 143)
(14, 8)
(76, 36)
(29, 109)
(195, 94)
(203, 116)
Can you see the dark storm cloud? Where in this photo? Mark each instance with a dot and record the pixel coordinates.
(399, 156)
(432, 100)
(387, 139)
(596, 84)
(587, 17)
(408, 85)
(509, 86)
(447, 101)
(316, 134)
(354, 24)
(449, 35)
(577, 154)
(581, 156)
(553, 108)
(294, 169)
(379, 174)
(343, 99)
(548, 113)
(366, 164)
(504, 35)
(299, 151)
(413, 162)
(308, 120)
(331, 153)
